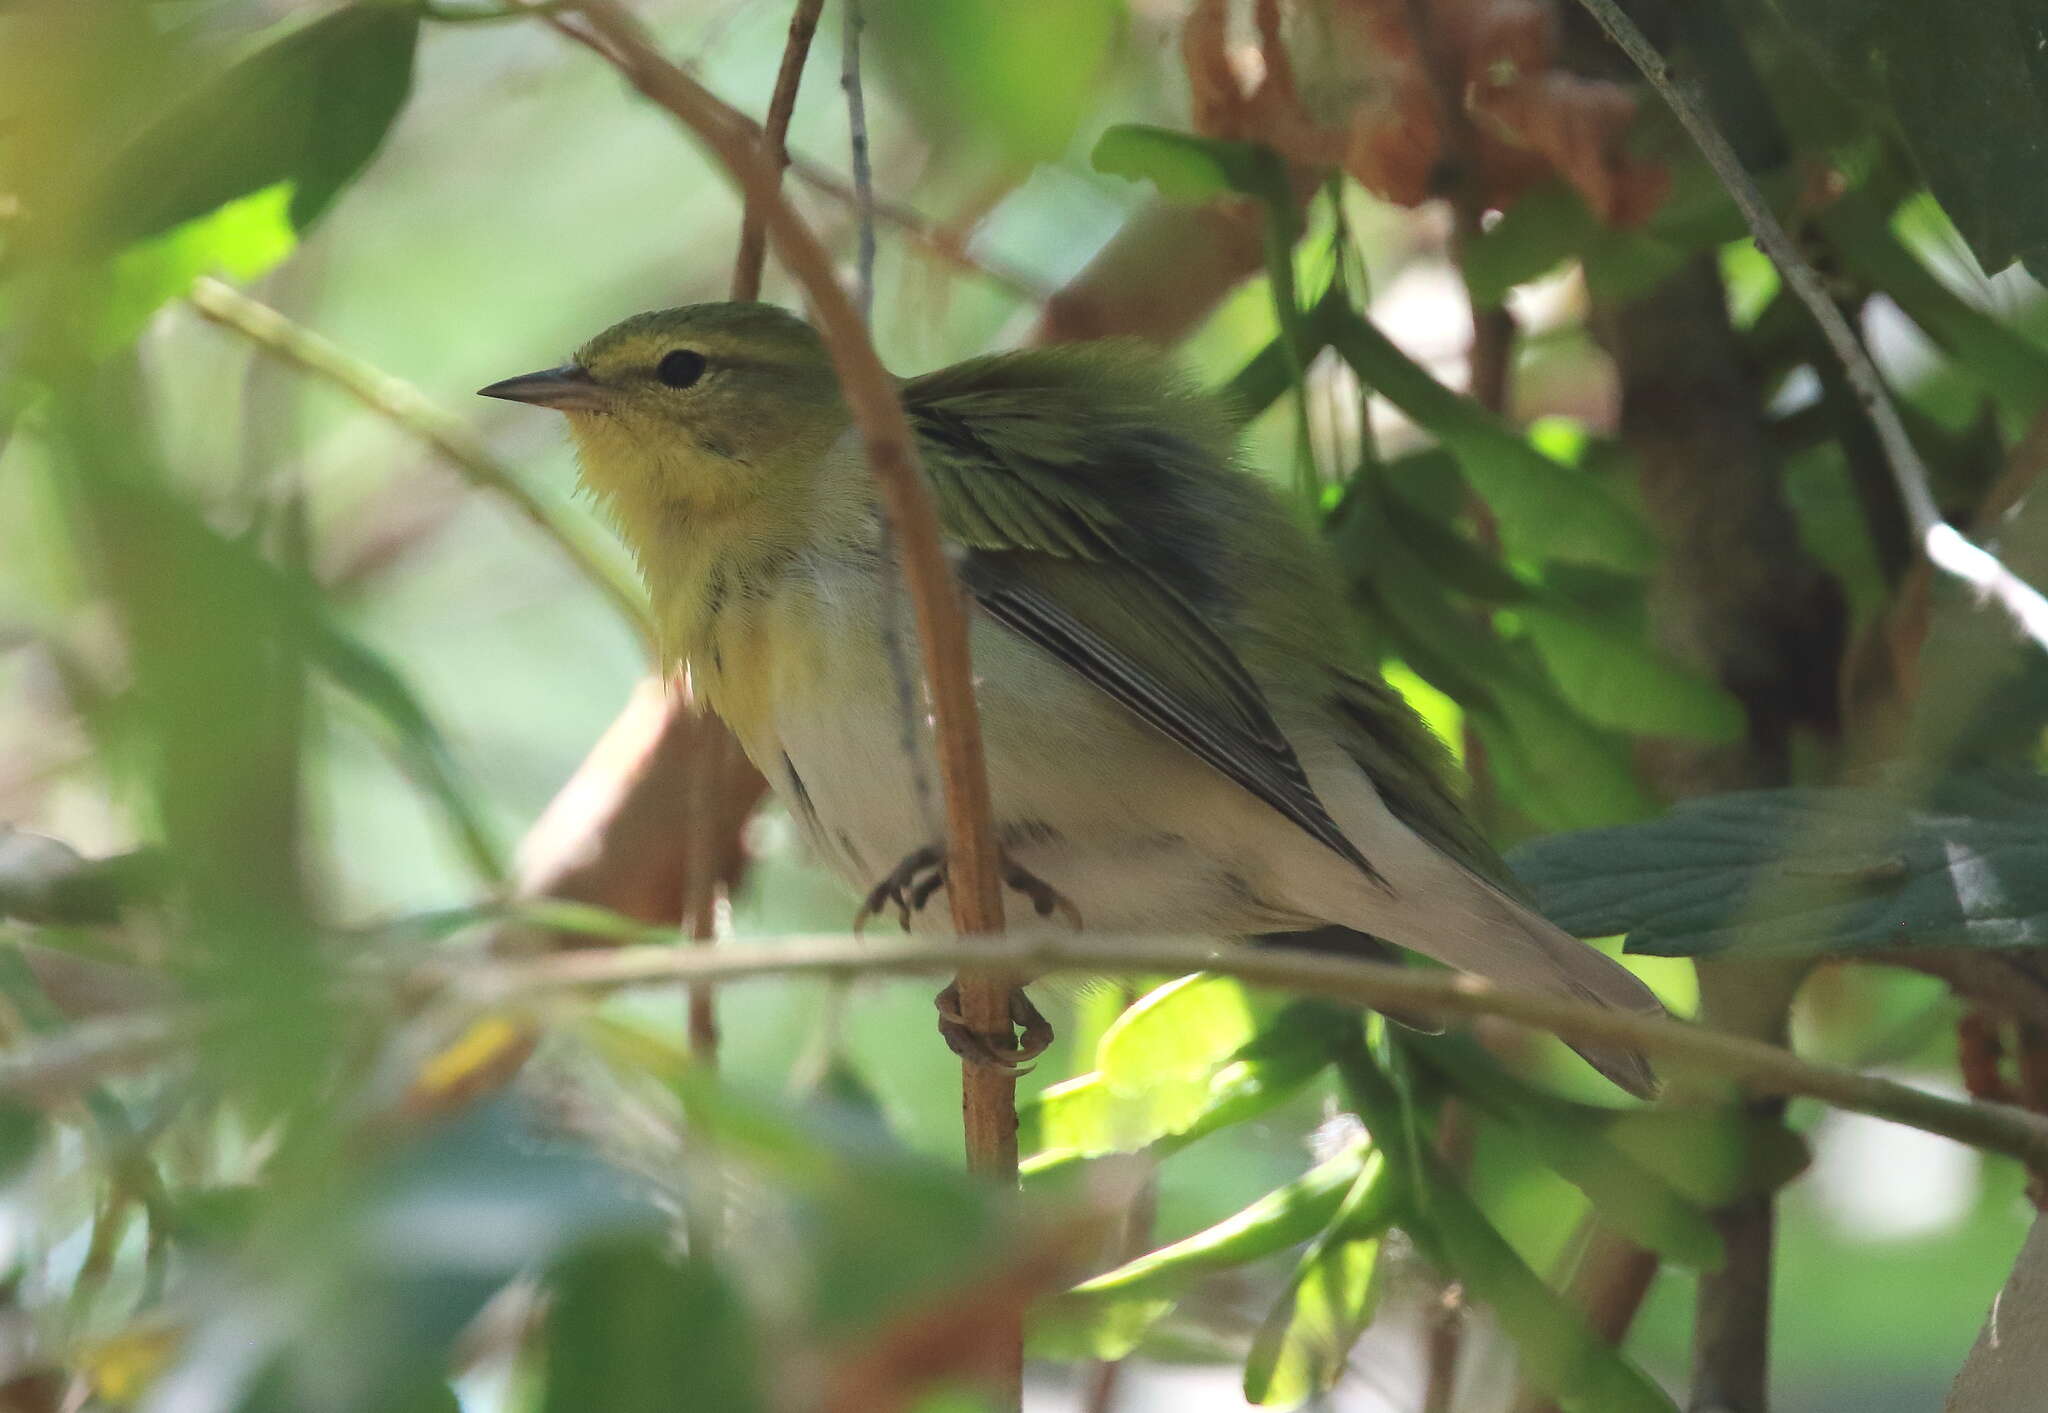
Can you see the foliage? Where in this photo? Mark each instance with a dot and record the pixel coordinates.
(287, 691)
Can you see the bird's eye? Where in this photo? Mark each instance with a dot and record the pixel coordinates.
(680, 367)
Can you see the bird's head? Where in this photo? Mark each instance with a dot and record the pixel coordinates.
(703, 408)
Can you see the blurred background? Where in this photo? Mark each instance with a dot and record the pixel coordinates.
(173, 491)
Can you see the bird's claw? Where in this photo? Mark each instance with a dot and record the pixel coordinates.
(922, 873)
(1008, 1053)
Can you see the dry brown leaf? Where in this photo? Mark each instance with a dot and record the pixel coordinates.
(1346, 82)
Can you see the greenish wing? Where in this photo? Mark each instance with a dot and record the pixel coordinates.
(1050, 558)
(1408, 767)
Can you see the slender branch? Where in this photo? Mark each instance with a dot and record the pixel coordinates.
(746, 276)
(1943, 544)
(1748, 1064)
(922, 232)
(54, 1069)
(407, 407)
(863, 171)
(973, 886)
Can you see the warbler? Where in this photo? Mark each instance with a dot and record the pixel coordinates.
(1182, 734)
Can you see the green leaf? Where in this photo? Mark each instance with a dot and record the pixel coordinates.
(1288, 1214)
(1071, 1329)
(1188, 168)
(1545, 510)
(1711, 1156)
(1570, 1139)
(1561, 1355)
(2009, 364)
(309, 109)
(1146, 1099)
(1968, 88)
(416, 740)
(1302, 1347)
(1542, 230)
(631, 1331)
(1811, 871)
(240, 240)
(1018, 77)
(1615, 679)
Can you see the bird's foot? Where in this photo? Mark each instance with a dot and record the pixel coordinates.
(922, 873)
(1007, 1052)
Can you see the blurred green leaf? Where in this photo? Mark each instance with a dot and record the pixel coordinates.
(1302, 1347)
(1569, 1139)
(1150, 1101)
(309, 109)
(416, 740)
(21, 1135)
(1288, 1214)
(1810, 871)
(1968, 88)
(632, 1331)
(1544, 510)
(1186, 167)
(239, 240)
(2011, 365)
(1712, 1156)
(1020, 77)
(1615, 679)
(1539, 232)
(1073, 1328)
(1560, 1353)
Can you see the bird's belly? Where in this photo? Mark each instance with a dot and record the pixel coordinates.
(1126, 826)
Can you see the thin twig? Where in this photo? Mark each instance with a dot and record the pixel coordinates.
(1748, 1064)
(407, 407)
(746, 275)
(1944, 545)
(973, 885)
(863, 171)
(922, 232)
(51, 1070)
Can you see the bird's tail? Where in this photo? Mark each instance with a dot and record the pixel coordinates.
(1492, 935)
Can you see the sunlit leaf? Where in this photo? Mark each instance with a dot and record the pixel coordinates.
(1169, 1089)
(1288, 1214)
(1301, 1349)
(1545, 510)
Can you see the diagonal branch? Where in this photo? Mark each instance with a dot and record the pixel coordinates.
(1944, 545)
(973, 886)
(407, 407)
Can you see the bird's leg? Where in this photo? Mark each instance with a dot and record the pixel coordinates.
(978, 1049)
(904, 888)
(922, 873)
(912, 884)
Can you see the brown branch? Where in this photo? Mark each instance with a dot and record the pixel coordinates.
(746, 275)
(973, 885)
(1750, 1066)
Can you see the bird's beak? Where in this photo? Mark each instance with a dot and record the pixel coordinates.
(566, 389)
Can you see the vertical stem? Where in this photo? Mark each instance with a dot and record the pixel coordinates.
(753, 253)
(863, 171)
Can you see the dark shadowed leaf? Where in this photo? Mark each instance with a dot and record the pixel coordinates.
(308, 109)
(1968, 88)
(1811, 871)
(633, 1331)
